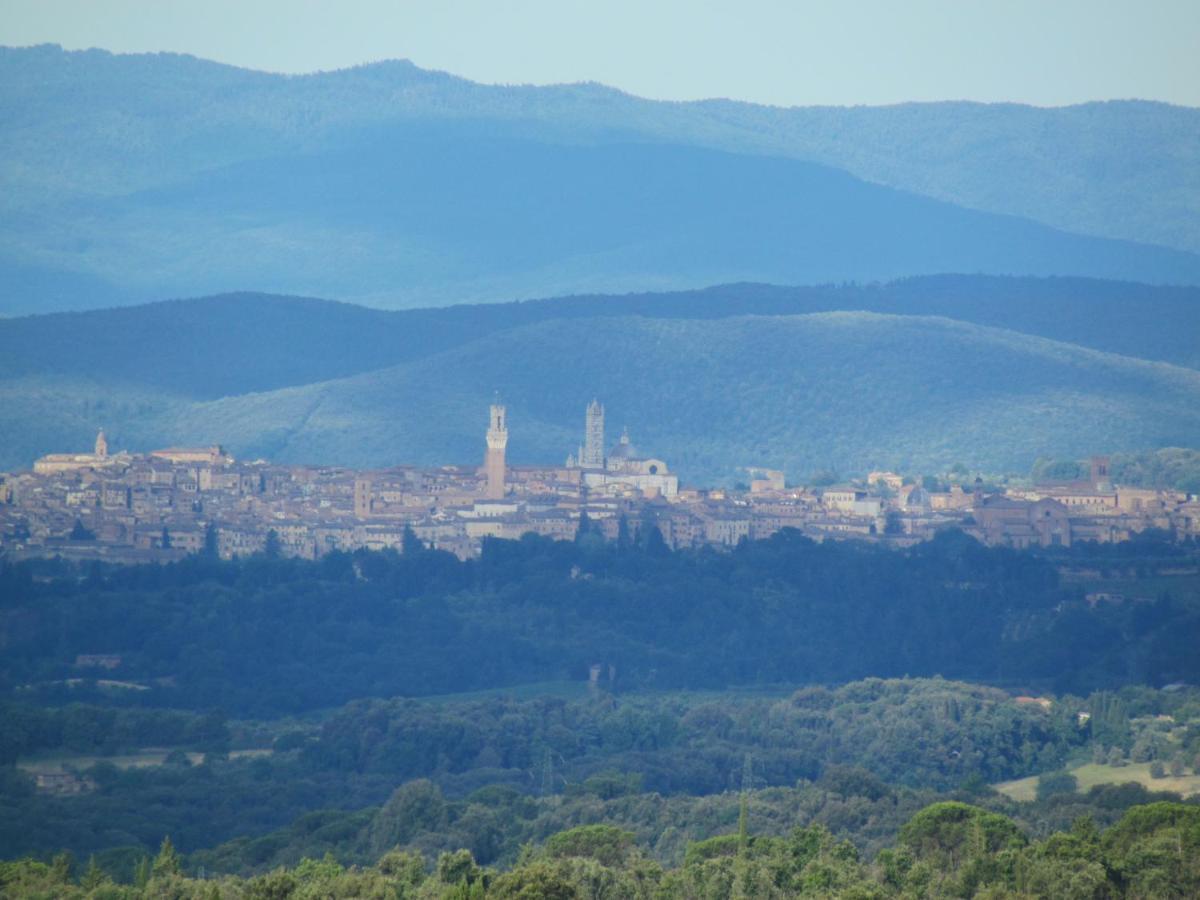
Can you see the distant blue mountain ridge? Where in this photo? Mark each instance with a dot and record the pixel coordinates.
(130, 178)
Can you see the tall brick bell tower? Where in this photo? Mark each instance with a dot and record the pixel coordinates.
(493, 463)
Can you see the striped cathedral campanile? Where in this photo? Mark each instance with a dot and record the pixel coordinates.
(592, 456)
(497, 440)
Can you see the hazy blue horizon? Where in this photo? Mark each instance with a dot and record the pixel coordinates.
(769, 52)
(552, 84)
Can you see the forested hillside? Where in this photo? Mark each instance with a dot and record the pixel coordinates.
(265, 710)
(494, 773)
(306, 381)
(398, 187)
(1121, 169)
(831, 391)
(208, 347)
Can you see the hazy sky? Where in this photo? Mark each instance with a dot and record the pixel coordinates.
(1047, 52)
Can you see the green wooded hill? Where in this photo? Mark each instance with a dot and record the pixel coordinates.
(394, 186)
(800, 378)
(210, 347)
(844, 390)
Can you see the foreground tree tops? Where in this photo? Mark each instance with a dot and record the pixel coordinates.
(950, 849)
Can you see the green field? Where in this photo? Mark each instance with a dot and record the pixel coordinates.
(1090, 775)
(151, 756)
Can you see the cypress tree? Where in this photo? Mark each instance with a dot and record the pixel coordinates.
(167, 861)
(93, 876)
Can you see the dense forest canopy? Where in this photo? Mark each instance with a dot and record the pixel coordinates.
(948, 849)
(274, 636)
(492, 774)
(287, 712)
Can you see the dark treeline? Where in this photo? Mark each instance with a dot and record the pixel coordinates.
(268, 637)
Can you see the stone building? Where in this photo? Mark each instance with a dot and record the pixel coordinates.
(1001, 521)
(213, 455)
(66, 462)
(624, 469)
(628, 468)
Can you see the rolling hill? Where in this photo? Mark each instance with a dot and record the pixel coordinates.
(397, 187)
(709, 380)
(210, 347)
(841, 391)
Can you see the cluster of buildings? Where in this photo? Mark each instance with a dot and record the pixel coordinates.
(169, 503)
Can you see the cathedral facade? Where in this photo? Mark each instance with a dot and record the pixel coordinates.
(623, 466)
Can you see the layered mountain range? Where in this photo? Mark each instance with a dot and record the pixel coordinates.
(138, 177)
(427, 204)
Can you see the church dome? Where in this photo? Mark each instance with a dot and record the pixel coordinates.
(918, 497)
(624, 449)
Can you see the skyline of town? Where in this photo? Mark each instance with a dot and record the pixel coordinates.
(175, 501)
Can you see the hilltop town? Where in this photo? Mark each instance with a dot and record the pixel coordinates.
(166, 504)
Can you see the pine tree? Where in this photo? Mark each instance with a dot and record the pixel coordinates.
(653, 540)
(410, 543)
(210, 540)
(585, 525)
(623, 539)
(744, 807)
